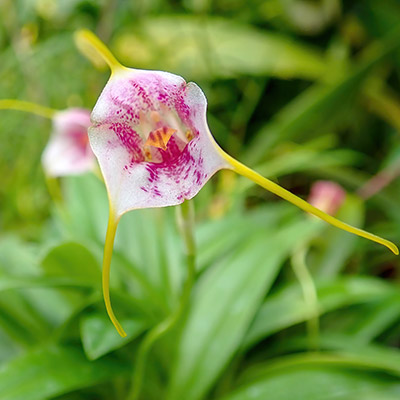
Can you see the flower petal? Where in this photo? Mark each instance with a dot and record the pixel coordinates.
(131, 104)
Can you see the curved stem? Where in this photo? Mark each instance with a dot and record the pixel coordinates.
(91, 46)
(158, 332)
(27, 106)
(108, 249)
(310, 296)
(185, 223)
(302, 204)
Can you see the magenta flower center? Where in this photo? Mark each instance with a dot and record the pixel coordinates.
(149, 126)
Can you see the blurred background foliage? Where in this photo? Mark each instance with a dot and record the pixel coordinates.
(299, 89)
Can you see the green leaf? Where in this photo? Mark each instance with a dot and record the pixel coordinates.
(148, 240)
(53, 371)
(380, 317)
(141, 238)
(17, 257)
(312, 109)
(99, 336)
(300, 158)
(224, 305)
(72, 260)
(379, 18)
(345, 348)
(287, 307)
(12, 283)
(210, 48)
(318, 382)
(215, 238)
(87, 207)
(68, 261)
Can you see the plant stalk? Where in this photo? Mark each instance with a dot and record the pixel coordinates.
(185, 219)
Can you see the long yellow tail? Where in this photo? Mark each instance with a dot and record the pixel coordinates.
(27, 106)
(95, 50)
(108, 250)
(297, 201)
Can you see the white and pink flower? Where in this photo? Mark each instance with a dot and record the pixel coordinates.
(68, 151)
(150, 135)
(152, 141)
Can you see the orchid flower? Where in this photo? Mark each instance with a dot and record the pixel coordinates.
(150, 135)
(68, 151)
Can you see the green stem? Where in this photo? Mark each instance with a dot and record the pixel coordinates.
(108, 250)
(185, 220)
(186, 225)
(309, 290)
(27, 106)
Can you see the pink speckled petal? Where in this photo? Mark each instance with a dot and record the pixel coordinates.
(68, 151)
(135, 104)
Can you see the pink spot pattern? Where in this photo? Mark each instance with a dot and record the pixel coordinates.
(133, 105)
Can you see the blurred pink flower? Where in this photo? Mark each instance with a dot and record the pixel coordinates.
(328, 196)
(68, 151)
